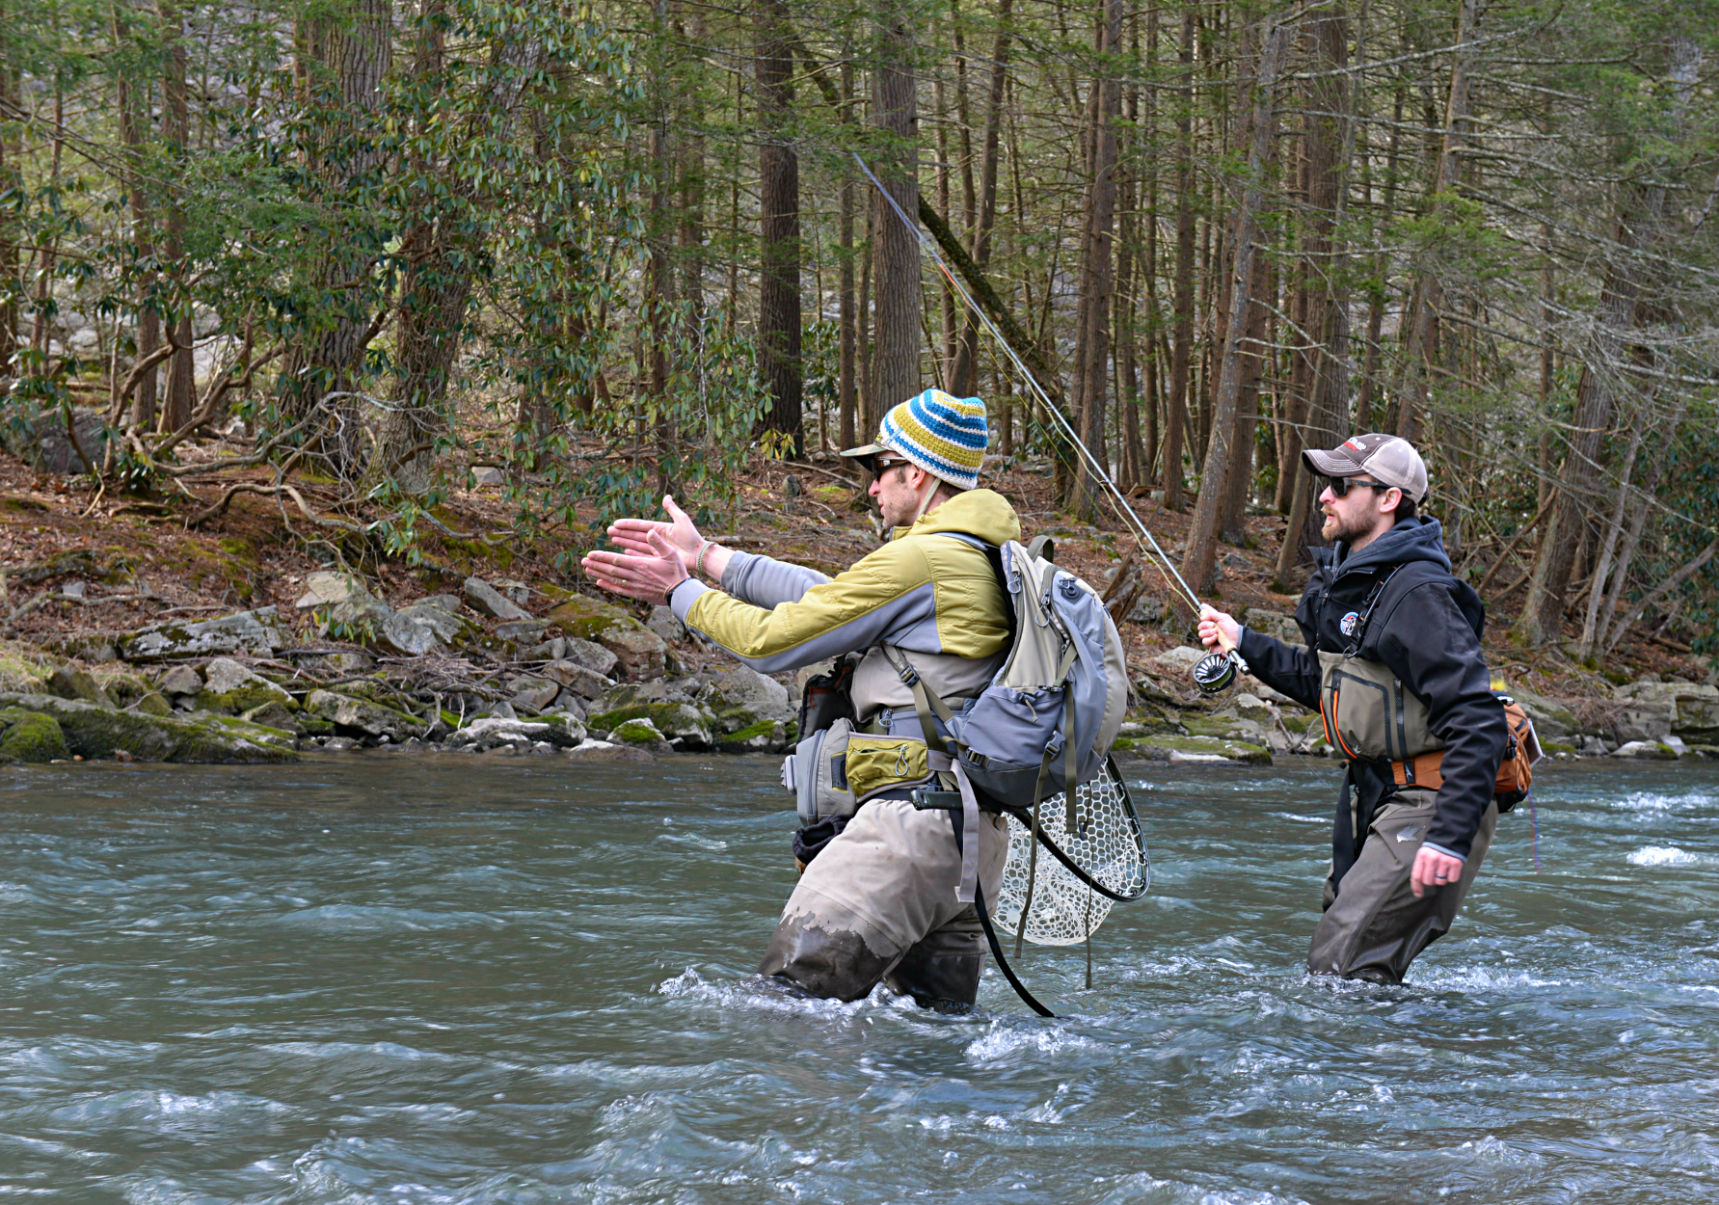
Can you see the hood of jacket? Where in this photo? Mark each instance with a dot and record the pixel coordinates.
(1416, 539)
(982, 513)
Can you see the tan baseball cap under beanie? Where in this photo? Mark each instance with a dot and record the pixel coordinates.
(1385, 458)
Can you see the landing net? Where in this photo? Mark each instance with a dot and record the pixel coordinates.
(1105, 842)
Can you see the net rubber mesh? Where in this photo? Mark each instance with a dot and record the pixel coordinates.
(1106, 843)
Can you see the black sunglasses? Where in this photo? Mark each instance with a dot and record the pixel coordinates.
(882, 464)
(1339, 486)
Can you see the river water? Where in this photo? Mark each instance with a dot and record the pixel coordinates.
(415, 979)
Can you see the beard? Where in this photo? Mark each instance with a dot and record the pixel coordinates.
(1338, 530)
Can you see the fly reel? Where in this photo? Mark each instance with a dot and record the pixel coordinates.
(1216, 671)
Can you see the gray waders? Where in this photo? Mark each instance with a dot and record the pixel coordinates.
(879, 904)
(1375, 926)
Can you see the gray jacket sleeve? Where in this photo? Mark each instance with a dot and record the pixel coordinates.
(765, 582)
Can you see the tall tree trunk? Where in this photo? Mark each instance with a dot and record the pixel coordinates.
(1421, 348)
(899, 295)
(1330, 146)
(1098, 261)
(961, 378)
(847, 317)
(354, 54)
(779, 213)
(1641, 214)
(1181, 352)
(11, 154)
(1199, 561)
(176, 133)
(131, 110)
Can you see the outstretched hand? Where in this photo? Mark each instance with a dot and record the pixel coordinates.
(679, 534)
(651, 573)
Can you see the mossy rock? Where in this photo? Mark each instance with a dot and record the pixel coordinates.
(30, 736)
(639, 733)
(587, 618)
(1298, 722)
(684, 721)
(94, 731)
(1200, 748)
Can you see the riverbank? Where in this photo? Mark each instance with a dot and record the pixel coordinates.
(507, 668)
(131, 633)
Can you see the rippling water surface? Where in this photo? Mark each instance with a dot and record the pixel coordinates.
(390, 979)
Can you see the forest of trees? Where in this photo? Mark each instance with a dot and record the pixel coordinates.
(613, 248)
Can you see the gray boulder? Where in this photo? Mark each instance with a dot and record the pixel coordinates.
(640, 653)
(180, 680)
(583, 682)
(1694, 709)
(423, 628)
(41, 441)
(741, 688)
(664, 623)
(234, 688)
(534, 694)
(256, 632)
(91, 730)
(341, 598)
(487, 600)
(589, 654)
(372, 719)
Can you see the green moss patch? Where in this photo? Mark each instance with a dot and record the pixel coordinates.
(29, 736)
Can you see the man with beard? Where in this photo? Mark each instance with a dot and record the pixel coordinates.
(878, 897)
(1394, 665)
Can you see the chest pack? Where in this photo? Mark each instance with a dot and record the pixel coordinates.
(1370, 716)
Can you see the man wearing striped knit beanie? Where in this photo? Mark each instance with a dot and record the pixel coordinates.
(876, 899)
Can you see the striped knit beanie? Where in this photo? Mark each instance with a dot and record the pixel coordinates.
(942, 434)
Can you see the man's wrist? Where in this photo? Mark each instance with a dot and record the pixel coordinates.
(698, 561)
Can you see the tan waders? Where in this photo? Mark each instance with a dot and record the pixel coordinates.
(879, 904)
(1375, 927)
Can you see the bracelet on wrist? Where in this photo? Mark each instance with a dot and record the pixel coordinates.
(698, 561)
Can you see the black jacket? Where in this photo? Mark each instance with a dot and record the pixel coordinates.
(1429, 637)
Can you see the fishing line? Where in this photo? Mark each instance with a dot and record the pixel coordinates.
(1215, 671)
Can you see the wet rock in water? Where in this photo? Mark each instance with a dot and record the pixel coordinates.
(256, 632)
(641, 734)
(344, 600)
(493, 731)
(69, 683)
(1649, 749)
(678, 718)
(95, 731)
(373, 719)
(607, 751)
(30, 736)
(487, 600)
(761, 737)
(1164, 747)
(1693, 709)
(180, 680)
(234, 688)
(1641, 719)
(665, 624)
(585, 683)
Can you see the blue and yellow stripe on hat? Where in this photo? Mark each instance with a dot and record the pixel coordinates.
(942, 434)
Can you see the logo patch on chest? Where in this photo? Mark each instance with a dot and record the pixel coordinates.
(1350, 623)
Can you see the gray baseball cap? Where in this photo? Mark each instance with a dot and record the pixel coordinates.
(1385, 458)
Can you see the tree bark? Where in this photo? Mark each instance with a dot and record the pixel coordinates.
(899, 304)
(961, 377)
(1182, 349)
(1199, 561)
(1640, 217)
(1098, 263)
(779, 213)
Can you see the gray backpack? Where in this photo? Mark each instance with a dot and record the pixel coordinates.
(1046, 721)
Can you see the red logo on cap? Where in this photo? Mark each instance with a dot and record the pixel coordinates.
(1352, 443)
